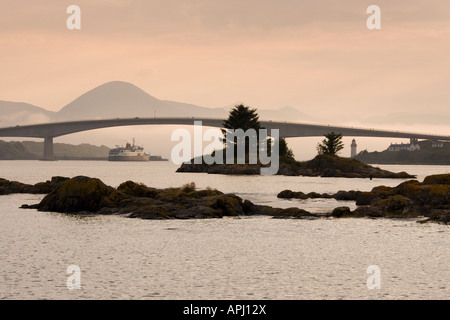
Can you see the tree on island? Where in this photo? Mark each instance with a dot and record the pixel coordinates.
(284, 150)
(331, 145)
(245, 118)
(242, 117)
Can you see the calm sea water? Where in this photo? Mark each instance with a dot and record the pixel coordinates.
(231, 258)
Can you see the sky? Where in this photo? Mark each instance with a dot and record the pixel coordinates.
(317, 56)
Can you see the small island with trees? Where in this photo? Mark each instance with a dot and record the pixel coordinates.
(326, 164)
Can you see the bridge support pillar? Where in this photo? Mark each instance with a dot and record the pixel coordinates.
(48, 149)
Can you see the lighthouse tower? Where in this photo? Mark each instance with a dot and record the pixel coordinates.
(353, 148)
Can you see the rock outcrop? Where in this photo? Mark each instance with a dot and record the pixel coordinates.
(320, 166)
(410, 199)
(12, 187)
(81, 195)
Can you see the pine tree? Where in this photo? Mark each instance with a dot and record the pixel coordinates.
(332, 144)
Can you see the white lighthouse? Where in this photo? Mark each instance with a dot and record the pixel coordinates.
(353, 148)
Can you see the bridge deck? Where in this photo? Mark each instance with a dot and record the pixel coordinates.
(48, 131)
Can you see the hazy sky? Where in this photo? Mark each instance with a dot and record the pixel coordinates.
(317, 56)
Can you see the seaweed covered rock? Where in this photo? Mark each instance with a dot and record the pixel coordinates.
(346, 195)
(136, 200)
(334, 166)
(433, 195)
(396, 206)
(365, 198)
(383, 192)
(12, 187)
(226, 204)
(322, 165)
(80, 194)
(288, 194)
(437, 179)
(293, 213)
(410, 199)
(137, 189)
(340, 212)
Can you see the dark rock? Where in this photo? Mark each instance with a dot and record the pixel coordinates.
(437, 179)
(334, 166)
(409, 199)
(162, 211)
(12, 187)
(365, 211)
(314, 195)
(346, 195)
(341, 212)
(383, 191)
(80, 194)
(227, 204)
(439, 216)
(247, 206)
(198, 212)
(138, 190)
(365, 198)
(397, 205)
(432, 195)
(321, 165)
(288, 194)
(295, 213)
(237, 169)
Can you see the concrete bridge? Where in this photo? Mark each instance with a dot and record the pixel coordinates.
(48, 131)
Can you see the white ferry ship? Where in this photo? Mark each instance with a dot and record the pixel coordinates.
(128, 153)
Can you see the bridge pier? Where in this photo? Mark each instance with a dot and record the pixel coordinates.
(48, 149)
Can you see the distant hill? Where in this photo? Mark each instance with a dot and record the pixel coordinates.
(14, 150)
(31, 150)
(426, 155)
(119, 99)
(286, 114)
(114, 99)
(12, 113)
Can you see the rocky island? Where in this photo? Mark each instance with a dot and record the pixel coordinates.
(410, 199)
(323, 165)
(85, 195)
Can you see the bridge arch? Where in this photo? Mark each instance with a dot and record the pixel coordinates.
(48, 131)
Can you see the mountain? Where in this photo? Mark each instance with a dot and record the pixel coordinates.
(285, 114)
(189, 110)
(111, 100)
(13, 113)
(118, 99)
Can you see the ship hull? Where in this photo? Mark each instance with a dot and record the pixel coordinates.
(129, 158)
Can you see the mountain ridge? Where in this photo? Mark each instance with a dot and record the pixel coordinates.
(120, 99)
